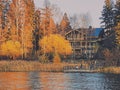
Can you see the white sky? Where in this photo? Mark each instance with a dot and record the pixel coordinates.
(71, 7)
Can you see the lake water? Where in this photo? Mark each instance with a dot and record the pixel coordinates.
(58, 81)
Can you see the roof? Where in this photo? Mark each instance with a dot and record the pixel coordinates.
(77, 30)
(71, 31)
(96, 31)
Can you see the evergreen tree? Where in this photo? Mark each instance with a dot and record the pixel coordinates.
(108, 16)
(108, 32)
(107, 35)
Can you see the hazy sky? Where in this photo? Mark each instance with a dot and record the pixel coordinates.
(71, 7)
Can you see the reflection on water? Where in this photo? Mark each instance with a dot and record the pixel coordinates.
(34, 81)
(53, 81)
(13, 81)
(58, 81)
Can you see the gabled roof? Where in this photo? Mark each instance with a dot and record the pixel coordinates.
(72, 31)
(95, 31)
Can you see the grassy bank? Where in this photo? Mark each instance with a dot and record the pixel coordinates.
(115, 70)
(22, 66)
(9, 66)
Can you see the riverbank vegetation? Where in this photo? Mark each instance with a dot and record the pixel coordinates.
(27, 66)
(21, 65)
(115, 70)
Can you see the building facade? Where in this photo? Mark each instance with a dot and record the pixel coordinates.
(83, 42)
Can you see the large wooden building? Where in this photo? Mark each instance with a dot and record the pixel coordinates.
(83, 42)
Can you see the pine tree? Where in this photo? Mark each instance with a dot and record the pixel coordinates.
(108, 16)
(107, 35)
(108, 32)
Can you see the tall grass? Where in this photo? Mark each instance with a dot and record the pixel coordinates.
(115, 70)
(37, 66)
(22, 66)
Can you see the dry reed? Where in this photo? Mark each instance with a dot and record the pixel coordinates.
(115, 70)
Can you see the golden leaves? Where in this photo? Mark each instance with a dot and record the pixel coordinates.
(48, 26)
(118, 34)
(11, 48)
(55, 43)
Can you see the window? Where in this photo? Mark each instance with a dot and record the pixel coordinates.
(83, 43)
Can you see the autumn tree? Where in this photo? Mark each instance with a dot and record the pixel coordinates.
(4, 23)
(65, 24)
(37, 33)
(17, 21)
(55, 44)
(16, 16)
(108, 55)
(4, 11)
(48, 26)
(47, 23)
(117, 31)
(22, 23)
(10, 48)
(117, 12)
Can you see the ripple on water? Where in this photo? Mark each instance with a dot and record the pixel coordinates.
(58, 81)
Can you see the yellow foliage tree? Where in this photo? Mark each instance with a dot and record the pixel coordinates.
(21, 18)
(11, 49)
(56, 44)
(118, 34)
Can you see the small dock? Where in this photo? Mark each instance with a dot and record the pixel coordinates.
(79, 71)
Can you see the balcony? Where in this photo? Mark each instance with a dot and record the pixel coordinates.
(75, 39)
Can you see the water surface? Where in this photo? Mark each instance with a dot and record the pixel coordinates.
(58, 81)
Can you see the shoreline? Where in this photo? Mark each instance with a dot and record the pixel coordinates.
(111, 69)
(36, 66)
